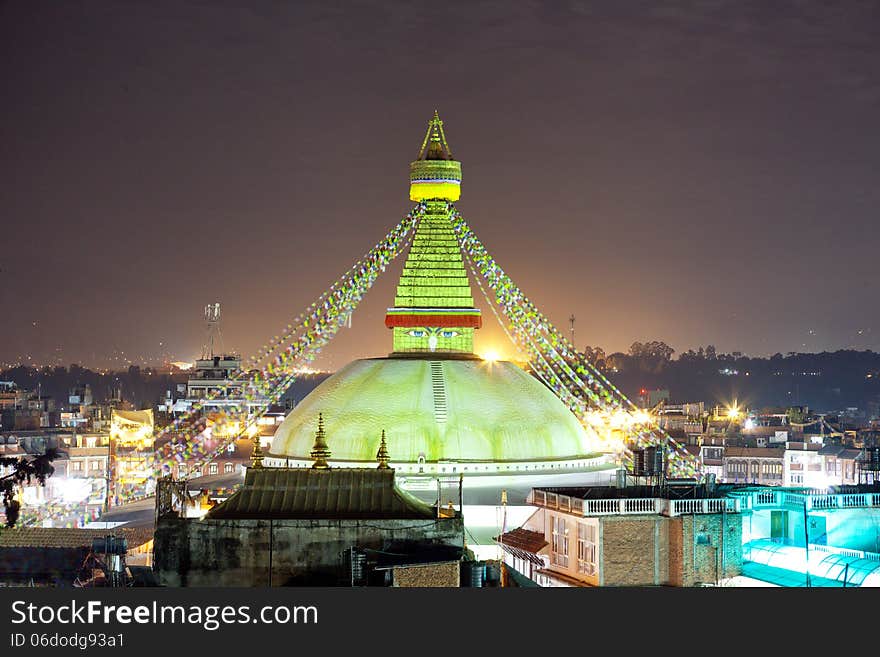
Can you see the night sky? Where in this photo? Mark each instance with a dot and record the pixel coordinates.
(695, 172)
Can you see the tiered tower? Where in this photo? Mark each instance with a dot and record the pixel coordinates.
(434, 309)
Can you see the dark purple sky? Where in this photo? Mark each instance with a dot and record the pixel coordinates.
(695, 172)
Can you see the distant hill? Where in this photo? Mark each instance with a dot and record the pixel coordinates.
(826, 381)
(142, 387)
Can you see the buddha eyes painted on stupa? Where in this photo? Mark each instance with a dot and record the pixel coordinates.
(434, 338)
(443, 333)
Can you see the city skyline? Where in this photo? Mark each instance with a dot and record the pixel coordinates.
(705, 169)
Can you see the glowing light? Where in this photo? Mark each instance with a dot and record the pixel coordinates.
(733, 412)
(490, 356)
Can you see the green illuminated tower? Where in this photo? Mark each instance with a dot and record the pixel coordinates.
(434, 309)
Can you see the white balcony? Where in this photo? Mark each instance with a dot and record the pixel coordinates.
(633, 505)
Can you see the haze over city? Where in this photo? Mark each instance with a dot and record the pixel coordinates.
(703, 173)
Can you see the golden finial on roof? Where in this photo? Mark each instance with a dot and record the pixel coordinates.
(320, 450)
(382, 454)
(434, 146)
(257, 453)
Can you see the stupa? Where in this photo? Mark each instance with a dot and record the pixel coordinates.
(446, 411)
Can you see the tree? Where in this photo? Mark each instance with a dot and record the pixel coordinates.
(796, 415)
(651, 356)
(688, 356)
(24, 471)
(595, 356)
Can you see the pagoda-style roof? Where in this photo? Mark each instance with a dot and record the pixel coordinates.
(310, 493)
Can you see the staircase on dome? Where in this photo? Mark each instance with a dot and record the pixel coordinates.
(434, 309)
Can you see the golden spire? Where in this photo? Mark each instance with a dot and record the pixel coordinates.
(320, 450)
(257, 454)
(434, 146)
(382, 454)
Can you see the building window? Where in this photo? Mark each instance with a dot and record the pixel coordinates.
(76, 466)
(586, 548)
(96, 465)
(212, 468)
(227, 468)
(181, 471)
(560, 542)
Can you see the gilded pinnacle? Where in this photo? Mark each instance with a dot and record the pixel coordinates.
(320, 450)
(434, 145)
(257, 453)
(382, 454)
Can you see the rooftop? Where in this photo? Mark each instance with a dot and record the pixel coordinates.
(757, 452)
(59, 537)
(683, 490)
(331, 493)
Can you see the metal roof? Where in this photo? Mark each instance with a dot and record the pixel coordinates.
(333, 493)
(523, 539)
(755, 452)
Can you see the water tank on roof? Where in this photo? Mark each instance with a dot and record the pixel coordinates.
(710, 482)
(647, 461)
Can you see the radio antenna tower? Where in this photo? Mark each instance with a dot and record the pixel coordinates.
(212, 318)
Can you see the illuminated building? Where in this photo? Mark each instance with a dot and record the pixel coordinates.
(132, 450)
(446, 412)
(754, 465)
(81, 474)
(804, 465)
(627, 536)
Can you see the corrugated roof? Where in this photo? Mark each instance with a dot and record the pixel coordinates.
(523, 539)
(756, 452)
(334, 493)
(61, 537)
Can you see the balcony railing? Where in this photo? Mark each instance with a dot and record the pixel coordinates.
(823, 502)
(633, 505)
